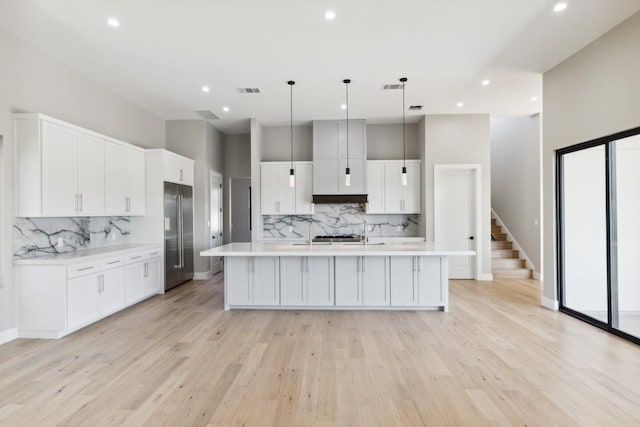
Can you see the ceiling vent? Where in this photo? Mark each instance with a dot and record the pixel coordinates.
(415, 108)
(392, 87)
(207, 115)
(248, 90)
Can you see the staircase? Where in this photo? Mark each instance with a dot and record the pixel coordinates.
(505, 261)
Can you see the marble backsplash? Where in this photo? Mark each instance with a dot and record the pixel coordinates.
(336, 219)
(33, 237)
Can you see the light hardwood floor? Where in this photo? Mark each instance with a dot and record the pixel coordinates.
(179, 360)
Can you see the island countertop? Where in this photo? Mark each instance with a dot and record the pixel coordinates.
(336, 249)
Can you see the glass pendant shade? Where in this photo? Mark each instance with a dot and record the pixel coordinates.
(292, 178)
(404, 175)
(347, 178)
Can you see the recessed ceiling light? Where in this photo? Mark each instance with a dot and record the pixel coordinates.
(460, 104)
(559, 7)
(534, 98)
(329, 15)
(486, 82)
(225, 109)
(113, 22)
(343, 106)
(206, 89)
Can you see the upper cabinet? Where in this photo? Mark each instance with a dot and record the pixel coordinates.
(277, 197)
(64, 170)
(387, 195)
(330, 151)
(177, 169)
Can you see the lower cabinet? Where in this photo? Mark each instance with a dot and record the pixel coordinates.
(362, 281)
(252, 281)
(92, 297)
(141, 279)
(306, 281)
(418, 281)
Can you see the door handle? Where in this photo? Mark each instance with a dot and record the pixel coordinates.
(470, 237)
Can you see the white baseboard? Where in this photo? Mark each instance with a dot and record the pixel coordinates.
(205, 275)
(485, 277)
(549, 303)
(537, 275)
(516, 246)
(8, 335)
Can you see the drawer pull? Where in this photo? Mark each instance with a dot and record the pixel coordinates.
(136, 257)
(113, 262)
(154, 253)
(86, 268)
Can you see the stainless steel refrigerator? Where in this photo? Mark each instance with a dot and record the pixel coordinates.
(178, 234)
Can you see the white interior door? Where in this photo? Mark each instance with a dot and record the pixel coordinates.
(215, 220)
(455, 215)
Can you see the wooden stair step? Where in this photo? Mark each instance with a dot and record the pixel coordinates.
(494, 221)
(504, 253)
(507, 263)
(501, 245)
(521, 273)
(496, 229)
(499, 236)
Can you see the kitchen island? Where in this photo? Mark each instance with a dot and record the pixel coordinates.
(375, 276)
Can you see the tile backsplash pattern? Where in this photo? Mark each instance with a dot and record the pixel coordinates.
(336, 219)
(33, 237)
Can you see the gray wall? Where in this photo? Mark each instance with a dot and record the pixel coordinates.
(515, 180)
(31, 81)
(591, 94)
(384, 142)
(451, 139)
(237, 160)
(276, 143)
(201, 142)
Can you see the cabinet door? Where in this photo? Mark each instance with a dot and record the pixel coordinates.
(375, 187)
(115, 179)
(133, 277)
(356, 139)
(286, 193)
(375, 281)
(326, 176)
(304, 189)
(411, 192)
(171, 168)
(136, 182)
(90, 167)
(151, 282)
(348, 290)
(58, 170)
(292, 280)
(266, 281)
(112, 295)
(186, 172)
(83, 304)
(393, 194)
(320, 281)
(357, 170)
(403, 281)
(325, 139)
(237, 280)
(269, 189)
(430, 283)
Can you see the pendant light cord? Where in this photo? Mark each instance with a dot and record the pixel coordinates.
(347, 87)
(291, 121)
(404, 139)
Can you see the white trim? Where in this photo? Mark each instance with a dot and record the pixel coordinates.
(485, 277)
(477, 168)
(513, 240)
(205, 275)
(8, 335)
(537, 276)
(548, 303)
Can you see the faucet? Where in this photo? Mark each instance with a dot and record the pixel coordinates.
(310, 224)
(366, 232)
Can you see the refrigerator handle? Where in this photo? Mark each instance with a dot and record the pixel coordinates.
(178, 209)
(181, 233)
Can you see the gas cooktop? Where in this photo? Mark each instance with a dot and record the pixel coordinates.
(338, 238)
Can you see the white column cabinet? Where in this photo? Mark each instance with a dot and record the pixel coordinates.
(277, 197)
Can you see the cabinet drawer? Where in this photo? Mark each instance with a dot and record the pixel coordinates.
(135, 257)
(77, 270)
(111, 262)
(152, 254)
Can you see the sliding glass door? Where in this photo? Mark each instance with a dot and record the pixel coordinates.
(598, 201)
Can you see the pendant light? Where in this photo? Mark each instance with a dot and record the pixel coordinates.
(292, 178)
(403, 80)
(347, 175)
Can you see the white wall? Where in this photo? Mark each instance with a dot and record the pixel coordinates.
(451, 139)
(384, 142)
(515, 180)
(256, 152)
(237, 160)
(591, 94)
(31, 81)
(276, 143)
(198, 140)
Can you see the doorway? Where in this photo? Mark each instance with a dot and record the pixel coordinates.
(456, 215)
(216, 217)
(240, 209)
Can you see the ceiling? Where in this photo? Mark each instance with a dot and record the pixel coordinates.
(164, 51)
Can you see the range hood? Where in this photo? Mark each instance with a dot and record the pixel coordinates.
(339, 198)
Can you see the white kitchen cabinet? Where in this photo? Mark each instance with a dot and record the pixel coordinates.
(178, 169)
(252, 281)
(375, 187)
(307, 281)
(325, 176)
(433, 285)
(404, 281)
(124, 180)
(277, 197)
(83, 305)
(362, 281)
(112, 292)
(386, 193)
(348, 281)
(142, 275)
(59, 195)
(326, 137)
(151, 277)
(133, 277)
(90, 174)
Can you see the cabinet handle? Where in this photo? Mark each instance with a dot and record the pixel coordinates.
(278, 206)
(80, 197)
(358, 264)
(136, 257)
(181, 175)
(419, 263)
(86, 268)
(113, 262)
(76, 203)
(364, 265)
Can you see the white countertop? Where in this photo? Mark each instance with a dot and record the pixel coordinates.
(336, 249)
(86, 254)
